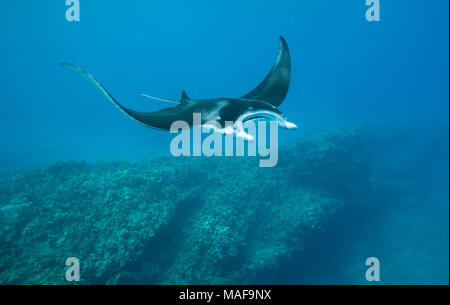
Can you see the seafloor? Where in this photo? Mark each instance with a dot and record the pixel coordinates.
(205, 220)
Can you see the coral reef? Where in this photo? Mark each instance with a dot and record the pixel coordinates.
(176, 220)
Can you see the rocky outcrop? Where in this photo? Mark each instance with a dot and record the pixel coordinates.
(176, 220)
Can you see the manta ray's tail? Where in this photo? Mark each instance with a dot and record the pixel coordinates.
(159, 99)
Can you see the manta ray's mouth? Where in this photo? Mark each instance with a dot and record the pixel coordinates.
(269, 116)
(290, 125)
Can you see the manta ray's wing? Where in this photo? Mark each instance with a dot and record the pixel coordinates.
(155, 119)
(273, 89)
(90, 78)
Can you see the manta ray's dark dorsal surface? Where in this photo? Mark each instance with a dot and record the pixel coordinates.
(274, 88)
(260, 103)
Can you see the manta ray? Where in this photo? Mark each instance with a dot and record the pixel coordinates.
(259, 104)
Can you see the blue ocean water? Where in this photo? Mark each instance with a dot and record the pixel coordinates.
(388, 78)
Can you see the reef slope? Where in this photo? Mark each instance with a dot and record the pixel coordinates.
(176, 220)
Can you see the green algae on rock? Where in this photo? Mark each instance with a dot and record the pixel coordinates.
(160, 221)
